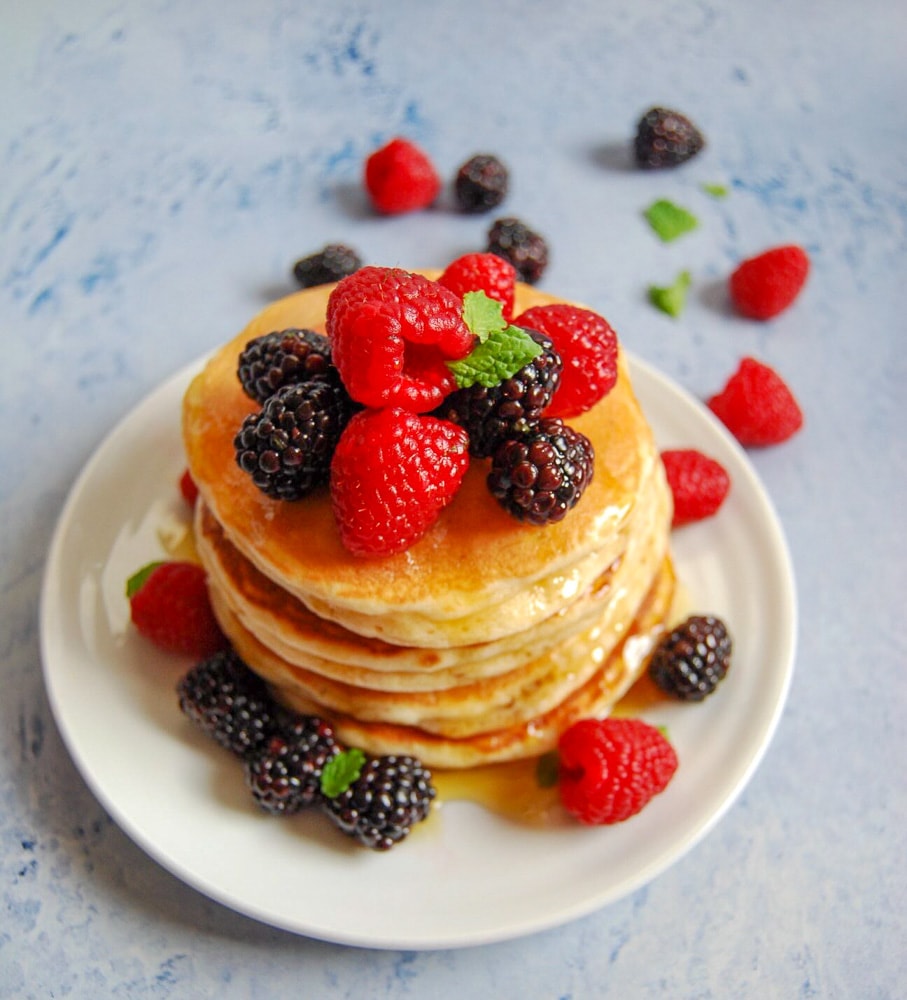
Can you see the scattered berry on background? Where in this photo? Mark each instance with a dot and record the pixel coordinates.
(526, 249)
(284, 357)
(693, 658)
(333, 262)
(392, 333)
(169, 606)
(699, 484)
(399, 177)
(665, 138)
(611, 768)
(670, 221)
(287, 446)
(486, 272)
(541, 475)
(229, 703)
(764, 286)
(481, 183)
(188, 488)
(757, 406)
(392, 474)
(588, 348)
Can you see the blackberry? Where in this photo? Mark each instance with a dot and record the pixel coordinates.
(284, 357)
(540, 476)
(481, 184)
(285, 776)
(228, 702)
(523, 247)
(287, 447)
(666, 139)
(510, 408)
(334, 262)
(385, 802)
(690, 661)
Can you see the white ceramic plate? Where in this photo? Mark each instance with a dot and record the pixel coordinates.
(469, 877)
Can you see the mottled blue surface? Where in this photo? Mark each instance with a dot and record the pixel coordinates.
(163, 164)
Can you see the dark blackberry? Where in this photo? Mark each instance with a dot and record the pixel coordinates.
(690, 661)
(666, 139)
(540, 476)
(523, 247)
(228, 702)
(285, 776)
(510, 408)
(284, 357)
(385, 802)
(334, 262)
(287, 447)
(481, 184)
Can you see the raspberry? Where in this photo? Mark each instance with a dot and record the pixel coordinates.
(698, 483)
(526, 249)
(541, 475)
(588, 348)
(609, 769)
(188, 489)
(392, 333)
(765, 285)
(399, 177)
(169, 606)
(666, 139)
(756, 405)
(481, 184)
(485, 272)
(392, 474)
(283, 357)
(332, 263)
(693, 658)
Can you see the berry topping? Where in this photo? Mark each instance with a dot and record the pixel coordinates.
(481, 184)
(756, 405)
(699, 484)
(482, 272)
(399, 177)
(588, 348)
(691, 660)
(523, 247)
(666, 139)
(611, 768)
(764, 286)
(169, 605)
(334, 262)
(541, 475)
(392, 333)
(229, 703)
(393, 472)
(188, 489)
(283, 357)
(287, 447)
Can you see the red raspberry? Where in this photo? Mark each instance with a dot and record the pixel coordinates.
(392, 474)
(399, 177)
(610, 768)
(169, 605)
(698, 483)
(482, 272)
(588, 347)
(392, 333)
(188, 488)
(756, 405)
(766, 285)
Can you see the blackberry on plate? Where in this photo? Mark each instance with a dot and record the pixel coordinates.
(541, 475)
(693, 658)
(391, 795)
(481, 183)
(284, 357)
(666, 139)
(334, 262)
(523, 247)
(285, 775)
(287, 447)
(228, 702)
(512, 407)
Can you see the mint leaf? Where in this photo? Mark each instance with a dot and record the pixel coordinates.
(503, 354)
(673, 298)
(483, 314)
(669, 220)
(135, 583)
(716, 190)
(341, 771)
(547, 769)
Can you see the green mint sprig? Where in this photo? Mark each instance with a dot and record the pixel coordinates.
(672, 298)
(341, 771)
(669, 220)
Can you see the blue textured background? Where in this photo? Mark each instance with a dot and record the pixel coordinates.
(163, 164)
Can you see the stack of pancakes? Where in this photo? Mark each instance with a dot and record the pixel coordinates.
(481, 642)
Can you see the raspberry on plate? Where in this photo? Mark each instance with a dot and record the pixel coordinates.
(756, 405)
(399, 177)
(188, 488)
(482, 272)
(764, 286)
(699, 484)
